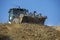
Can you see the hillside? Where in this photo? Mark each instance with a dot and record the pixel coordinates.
(57, 28)
(26, 31)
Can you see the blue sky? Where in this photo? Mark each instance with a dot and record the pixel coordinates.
(50, 8)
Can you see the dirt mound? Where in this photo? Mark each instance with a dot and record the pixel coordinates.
(26, 31)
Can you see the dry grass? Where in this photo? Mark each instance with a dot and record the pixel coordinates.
(57, 28)
(26, 31)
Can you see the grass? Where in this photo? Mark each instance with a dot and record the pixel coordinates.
(27, 31)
